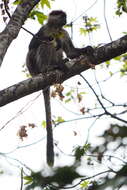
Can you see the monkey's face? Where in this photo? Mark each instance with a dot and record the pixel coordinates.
(57, 18)
(63, 20)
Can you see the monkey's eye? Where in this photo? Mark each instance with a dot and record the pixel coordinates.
(50, 38)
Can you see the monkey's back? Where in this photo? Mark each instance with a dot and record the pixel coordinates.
(45, 51)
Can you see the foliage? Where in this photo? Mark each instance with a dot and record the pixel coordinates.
(42, 3)
(114, 140)
(123, 69)
(80, 151)
(84, 184)
(41, 17)
(90, 25)
(62, 176)
(17, 2)
(58, 120)
(123, 66)
(121, 7)
(45, 3)
(35, 13)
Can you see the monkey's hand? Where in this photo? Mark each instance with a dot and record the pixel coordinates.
(62, 66)
(89, 50)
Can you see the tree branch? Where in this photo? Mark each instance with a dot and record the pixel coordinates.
(103, 107)
(81, 64)
(13, 27)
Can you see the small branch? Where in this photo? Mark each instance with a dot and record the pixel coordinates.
(94, 93)
(89, 128)
(106, 21)
(109, 156)
(116, 117)
(104, 108)
(21, 188)
(6, 8)
(16, 160)
(103, 97)
(83, 179)
(90, 7)
(20, 112)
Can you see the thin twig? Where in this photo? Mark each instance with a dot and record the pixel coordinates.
(104, 108)
(109, 156)
(14, 159)
(88, 134)
(106, 21)
(21, 179)
(21, 111)
(85, 11)
(83, 179)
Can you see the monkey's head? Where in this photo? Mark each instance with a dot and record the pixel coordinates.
(57, 19)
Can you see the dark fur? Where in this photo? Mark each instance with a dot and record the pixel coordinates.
(46, 53)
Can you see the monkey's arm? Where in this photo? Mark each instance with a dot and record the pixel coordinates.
(73, 52)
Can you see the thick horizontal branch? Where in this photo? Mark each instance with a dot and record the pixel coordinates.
(13, 27)
(37, 83)
(111, 50)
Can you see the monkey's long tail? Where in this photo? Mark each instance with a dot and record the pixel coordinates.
(50, 147)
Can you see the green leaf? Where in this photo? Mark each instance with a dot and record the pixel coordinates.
(86, 147)
(117, 58)
(111, 73)
(80, 151)
(83, 93)
(67, 100)
(40, 16)
(45, 2)
(93, 19)
(108, 63)
(83, 31)
(43, 123)
(85, 184)
(17, 2)
(125, 33)
(90, 25)
(69, 93)
(121, 7)
(28, 179)
(69, 96)
(59, 119)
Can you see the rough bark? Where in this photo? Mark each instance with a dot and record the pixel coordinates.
(13, 27)
(37, 83)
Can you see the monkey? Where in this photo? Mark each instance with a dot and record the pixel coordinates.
(46, 54)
